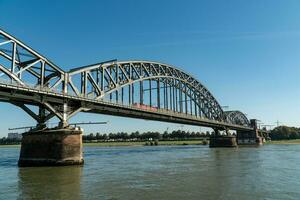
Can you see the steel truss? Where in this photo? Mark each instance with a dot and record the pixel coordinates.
(144, 85)
(109, 79)
(237, 117)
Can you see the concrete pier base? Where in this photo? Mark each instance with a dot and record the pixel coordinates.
(51, 147)
(256, 141)
(247, 138)
(222, 141)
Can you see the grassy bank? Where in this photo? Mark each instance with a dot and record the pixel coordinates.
(10, 145)
(296, 141)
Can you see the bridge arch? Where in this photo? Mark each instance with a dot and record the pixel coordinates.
(236, 117)
(169, 83)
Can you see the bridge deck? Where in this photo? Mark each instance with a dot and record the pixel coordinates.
(36, 96)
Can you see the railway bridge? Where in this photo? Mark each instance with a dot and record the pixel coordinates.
(135, 89)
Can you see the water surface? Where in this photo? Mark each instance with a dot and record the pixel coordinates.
(160, 172)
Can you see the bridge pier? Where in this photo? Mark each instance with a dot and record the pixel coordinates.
(51, 147)
(250, 137)
(218, 140)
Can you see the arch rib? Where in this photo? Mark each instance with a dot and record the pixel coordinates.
(116, 75)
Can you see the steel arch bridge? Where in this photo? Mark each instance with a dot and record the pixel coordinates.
(138, 89)
(236, 117)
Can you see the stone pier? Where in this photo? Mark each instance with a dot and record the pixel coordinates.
(222, 141)
(218, 140)
(251, 137)
(51, 147)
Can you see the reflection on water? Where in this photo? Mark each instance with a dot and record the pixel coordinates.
(160, 172)
(49, 182)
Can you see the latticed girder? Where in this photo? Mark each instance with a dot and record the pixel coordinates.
(43, 111)
(21, 65)
(236, 117)
(175, 86)
(144, 85)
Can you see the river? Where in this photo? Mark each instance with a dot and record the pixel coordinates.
(159, 172)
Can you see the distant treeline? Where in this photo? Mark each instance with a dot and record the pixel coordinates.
(285, 133)
(137, 136)
(134, 136)
(5, 140)
(278, 133)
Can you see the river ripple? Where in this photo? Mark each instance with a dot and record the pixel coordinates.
(160, 172)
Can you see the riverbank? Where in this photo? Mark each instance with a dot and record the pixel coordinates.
(171, 142)
(141, 143)
(10, 145)
(295, 141)
(130, 143)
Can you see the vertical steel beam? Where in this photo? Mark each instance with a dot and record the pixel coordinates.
(132, 93)
(174, 100)
(129, 94)
(83, 83)
(13, 61)
(167, 99)
(117, 96)
(64, 121)
(97, 76)
(130, 86)
(117, 82)
(110, 82)
(180, 98)
(42, 76)
(150, 93)
(65, 83)
(191, 102)
(195, 103)
(170, 95)
(102, 78)
(176, 97)
(122, 95)
(117, 74)
(141, 92)
(200, 105)
(185, 99)
(158, 93)
(164, 88)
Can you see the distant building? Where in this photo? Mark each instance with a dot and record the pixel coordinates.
(14, 136)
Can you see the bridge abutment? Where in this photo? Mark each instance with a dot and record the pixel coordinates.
(51, 147)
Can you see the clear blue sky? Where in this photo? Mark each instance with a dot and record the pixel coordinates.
(246, 52)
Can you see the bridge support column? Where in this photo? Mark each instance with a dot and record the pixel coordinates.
(250, 137)
(51, 147)
(218, 140)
